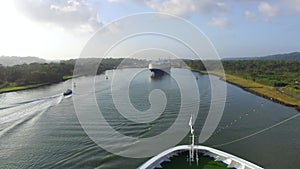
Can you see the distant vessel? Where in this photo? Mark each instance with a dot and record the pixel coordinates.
(67, 92)
(160, 67)
(193, 157)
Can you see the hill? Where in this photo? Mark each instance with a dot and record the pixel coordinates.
(287, 56)
(15, 60)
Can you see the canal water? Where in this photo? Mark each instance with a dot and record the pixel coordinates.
(39, 128)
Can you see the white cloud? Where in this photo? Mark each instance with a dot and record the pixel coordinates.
(182, 8)
(71, 14)
(173, 7)
(268, 10)
(220, 22)
(250, 15)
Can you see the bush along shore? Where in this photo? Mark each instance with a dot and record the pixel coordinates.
(267, 92)
(13, 88)
(277, 80)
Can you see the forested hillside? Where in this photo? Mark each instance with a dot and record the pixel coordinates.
(277, 80)
(270, 72)
(47, 73)
(276, 73)
(295, 56)
(33, 73)
(14, 60)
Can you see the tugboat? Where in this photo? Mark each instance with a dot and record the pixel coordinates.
(67, 92)
(193, 156)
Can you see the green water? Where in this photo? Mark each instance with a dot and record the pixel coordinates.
(40, 129)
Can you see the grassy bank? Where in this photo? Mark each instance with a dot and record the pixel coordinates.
(69, 77)
(18, 88)
(268, 92)
(12, 88)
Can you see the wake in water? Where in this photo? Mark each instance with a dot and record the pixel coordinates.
(18, 114)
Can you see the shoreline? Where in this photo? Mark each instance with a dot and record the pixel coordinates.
(267, 92)
(33, 86)
(20, 88)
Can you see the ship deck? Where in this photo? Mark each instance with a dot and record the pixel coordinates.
(231, 161)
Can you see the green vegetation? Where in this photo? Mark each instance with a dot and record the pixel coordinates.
(25, 76)
(20, 77)
(278, 80)
(286, 56)
(263, 90)
(180, 162)
(16, 88)
(67, 77)
(267, 72)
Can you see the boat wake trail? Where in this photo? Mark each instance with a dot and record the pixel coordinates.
(13, 117)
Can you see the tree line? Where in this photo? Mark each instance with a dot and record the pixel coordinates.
(46, 73)
(277, 73)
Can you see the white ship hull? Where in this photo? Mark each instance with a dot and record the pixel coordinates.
(230, 160)
(195, 153)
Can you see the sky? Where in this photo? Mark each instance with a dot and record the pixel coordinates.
(59, 29)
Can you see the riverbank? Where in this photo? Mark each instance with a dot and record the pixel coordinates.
(268, 92)
(18, 88)
(26, 87)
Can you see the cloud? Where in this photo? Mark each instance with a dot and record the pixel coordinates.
(182, 8)
(173, 7)
(179, 8)
(220, 22)
(250, 15)
(69, 14)
(268, 10)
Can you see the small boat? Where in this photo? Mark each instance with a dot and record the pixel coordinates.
(67, 92)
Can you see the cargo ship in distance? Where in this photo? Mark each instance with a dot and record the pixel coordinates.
(160, 67)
